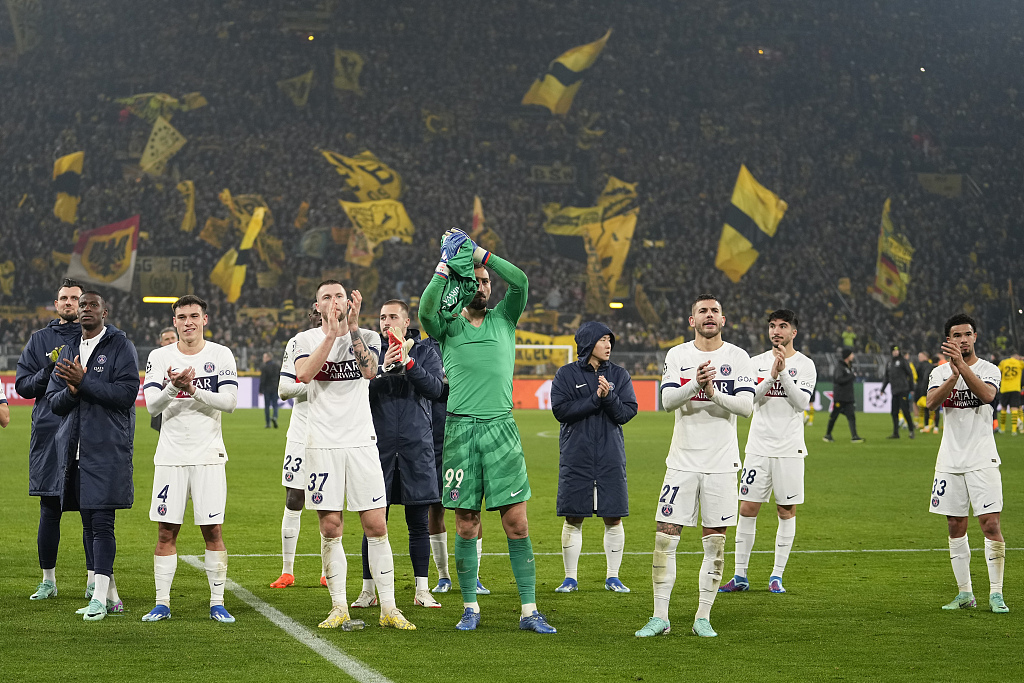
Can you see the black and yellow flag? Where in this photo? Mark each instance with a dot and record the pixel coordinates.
(348, 65)
(892, 267)
(369, 177)
(297, 89)
(380, 220)
(750, 222)
(557, 87)
(607, 245)
(7, 269)
(67, 180)
(229, 273)
(164, 142)
(188, 192)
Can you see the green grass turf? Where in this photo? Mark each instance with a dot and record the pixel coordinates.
(851, 616)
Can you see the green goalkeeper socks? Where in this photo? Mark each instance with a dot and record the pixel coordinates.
(467, 565)
(520, 552)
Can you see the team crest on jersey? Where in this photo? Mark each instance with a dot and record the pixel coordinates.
(454, 494)
(744, 489)
(726, 370)
(318, 498)
(666, 510)
(792, 372)
(101, 360)
(209, 367)
(288, 476)
(161, 509)
(935, 501)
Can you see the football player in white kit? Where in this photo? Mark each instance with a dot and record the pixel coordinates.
(190, 384)
(293, 474)
(706, 383)
(775, 452)
(967, 467)
(337, 360)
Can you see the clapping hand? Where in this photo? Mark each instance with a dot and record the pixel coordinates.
(183, 380)
(603, 387)
(71, 372)
(780, 362)
(705, 378)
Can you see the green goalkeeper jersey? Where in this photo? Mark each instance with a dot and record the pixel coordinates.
(478, 361)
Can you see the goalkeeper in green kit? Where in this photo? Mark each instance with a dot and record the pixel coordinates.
(483, 457)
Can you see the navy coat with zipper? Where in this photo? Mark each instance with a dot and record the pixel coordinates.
(401, 403)
(34, 368)
(439, 410)
(101, 419)
(591, 448)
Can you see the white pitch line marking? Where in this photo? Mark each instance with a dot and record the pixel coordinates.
(347, 664)
(681, 552)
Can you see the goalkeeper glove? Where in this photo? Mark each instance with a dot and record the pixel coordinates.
(451, 242)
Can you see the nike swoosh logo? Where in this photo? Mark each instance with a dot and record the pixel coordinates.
(293, 536)
(517, 493)
(729, 517)
(529, 560)
(580, 385)
(986, 505)
(218, 584)
(566, 547)
(616, 551)
(685, 369)
(377, 498)
(214, 514)
(330, 577)
(792, 497)
(387, 572)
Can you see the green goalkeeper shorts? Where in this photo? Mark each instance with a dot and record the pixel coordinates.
(483, 460)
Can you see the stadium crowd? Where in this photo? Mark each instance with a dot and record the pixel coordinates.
(834, 108)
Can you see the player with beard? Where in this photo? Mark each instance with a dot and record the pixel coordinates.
(967, 467)
(706, 383)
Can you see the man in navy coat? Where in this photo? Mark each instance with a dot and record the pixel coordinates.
(592, 398)
(93, 389)
(34, 368)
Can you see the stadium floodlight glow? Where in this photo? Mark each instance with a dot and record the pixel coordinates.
(310, 38)
(922, 69)
(159, 299)
(614, 304)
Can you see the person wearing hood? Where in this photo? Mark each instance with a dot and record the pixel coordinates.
(592, 398)
(899, 376)
(35, 366)
(93, 389)
(410, 379)
(843, 400)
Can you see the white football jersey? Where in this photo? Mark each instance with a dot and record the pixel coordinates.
(704, 436)
(967, 441)
(190, 431)
(777, 428)
(3, 398)
(339, 398)
(297, 422)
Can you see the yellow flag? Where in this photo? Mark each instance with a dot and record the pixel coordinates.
(242, 208)
(369, 177)
(559, 84)
(302, 217)
(149, 106)
(297, 89)
(164, 142)
(358, 250)
(570, 220)
(216, 231)
(617, 198)
(67, 180)
(229, 273)
(348, 65)
(380, 220)
(7, 269)
(27, 18)
(751, 220)
(481, 233)
(644, 307)
(106, 256)
(188, 192)
(193, 100)
(607, 246)
(892, 267)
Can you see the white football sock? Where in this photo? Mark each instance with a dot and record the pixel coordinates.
(112, 595)
(90, 575)
(439, 549)
(216, 563)
(369, 586)
(102, 585)
(382, 566)
(475, 606)
(332, 556)
(164, 567)
(710, 573)
(746, 530)
(528, 608)
(614, 542)
(995, 557)
(51, 575)
(421, 584)
(290, 524)
(783, 544)
(663, 572)
(572, 544)
(960, 556)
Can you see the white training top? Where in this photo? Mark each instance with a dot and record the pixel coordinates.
(704, 436)
(289, 386)
(339, 397)
(967, 441)
(190, 433)
(777, 427)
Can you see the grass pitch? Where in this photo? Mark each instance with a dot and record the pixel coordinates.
(852, 615)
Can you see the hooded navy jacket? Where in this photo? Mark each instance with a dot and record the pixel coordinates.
(34, 368)
(100, 418)
(401, 403)
(590, 442)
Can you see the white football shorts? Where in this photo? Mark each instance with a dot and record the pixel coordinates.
(762, 475)
(293, 475)
(981, 489)
(683, 492)
(173, 485)
(334, 475)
